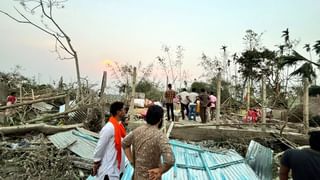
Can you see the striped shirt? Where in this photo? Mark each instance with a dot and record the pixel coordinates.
(169, 95)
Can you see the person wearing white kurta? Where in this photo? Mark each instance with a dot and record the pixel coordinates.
(106, 153)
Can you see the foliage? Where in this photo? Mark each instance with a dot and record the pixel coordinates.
(252, 39)
(47, 24)
(123, 74)
(212, 86)
(314, 90)
(170, 66)
(150, 89)
(210, 66)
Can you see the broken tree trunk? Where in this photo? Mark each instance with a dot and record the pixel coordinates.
(264, 94)
(31, 102)
(102, 99)
(42, 127)
(248, 94)
(218, 104)
(133, 93)
(306, 105)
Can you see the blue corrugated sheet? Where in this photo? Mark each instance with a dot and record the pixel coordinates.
(78, 142)
(260, 160)
(192, 161)
(195, 163)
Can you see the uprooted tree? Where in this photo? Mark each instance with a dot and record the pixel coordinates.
(48, 24)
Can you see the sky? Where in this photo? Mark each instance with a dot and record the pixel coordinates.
(126, 31)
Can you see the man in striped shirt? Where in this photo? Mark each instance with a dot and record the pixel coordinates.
(169, 95)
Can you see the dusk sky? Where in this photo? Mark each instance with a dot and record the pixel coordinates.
(131, 31)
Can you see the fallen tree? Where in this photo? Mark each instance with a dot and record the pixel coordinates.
(42, 127)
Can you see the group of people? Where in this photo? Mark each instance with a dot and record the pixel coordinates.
(191, 103)
(143, 147)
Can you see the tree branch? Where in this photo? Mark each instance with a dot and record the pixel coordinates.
(59, 28)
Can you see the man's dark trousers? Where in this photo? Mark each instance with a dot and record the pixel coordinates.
(170, 109)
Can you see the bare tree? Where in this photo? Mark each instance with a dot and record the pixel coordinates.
(169, 65)
(48, 25)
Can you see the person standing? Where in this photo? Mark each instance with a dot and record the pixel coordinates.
(169, 95)
(151, 154)
(304, 163)
(184, 102)
(212, 106)
(204, 101)
(192, 105)
(11, 99)
(108, 156)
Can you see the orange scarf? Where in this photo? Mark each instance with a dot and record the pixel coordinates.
(119, 132)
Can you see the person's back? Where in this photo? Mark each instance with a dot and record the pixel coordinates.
(11, 99)
(184, 97)
(305, 163)
(147, 148)
(212, 100)
(169, 95)
(193, 97)
(204, 99)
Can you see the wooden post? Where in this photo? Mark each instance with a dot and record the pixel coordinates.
(248, 94)
(306, 105)
(67, 102)
(21, 92)
(32, 93)
(263, 83)
(133, 93)
(218, 98)
(102, 100)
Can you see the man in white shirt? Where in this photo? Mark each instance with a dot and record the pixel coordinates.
(184, 101)
(109, 156)
(192, 105)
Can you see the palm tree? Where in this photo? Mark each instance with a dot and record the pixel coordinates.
(285, 34)
(316, 47)
(308, 49)
(224, 48)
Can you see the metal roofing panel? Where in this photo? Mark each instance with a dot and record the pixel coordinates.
(193, 163)
(260, 160)
(79, 143)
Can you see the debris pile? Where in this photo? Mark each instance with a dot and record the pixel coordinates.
(35, 157)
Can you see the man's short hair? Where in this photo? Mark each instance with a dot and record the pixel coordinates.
(314, 140)
(169, 86)
(115, 107)
(154, 114)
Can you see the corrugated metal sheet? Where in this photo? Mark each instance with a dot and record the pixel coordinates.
(42, 106)
(260, 159)
(193, 163)
(77, 142)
